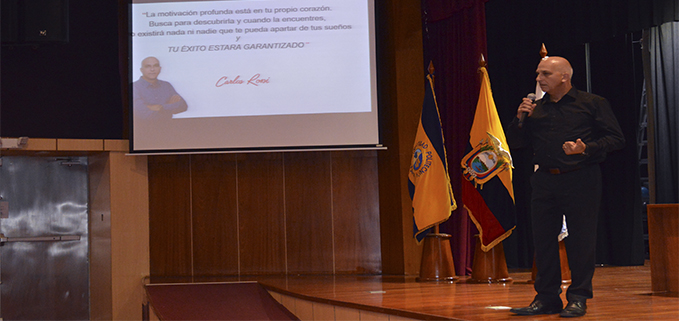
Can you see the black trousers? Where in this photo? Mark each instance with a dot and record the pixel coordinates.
(577, 195)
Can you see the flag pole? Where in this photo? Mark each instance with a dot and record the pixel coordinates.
(431, 70)
(538, 91)
(489, 266)
(437, 256)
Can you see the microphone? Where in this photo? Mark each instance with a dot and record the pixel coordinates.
(532, 97)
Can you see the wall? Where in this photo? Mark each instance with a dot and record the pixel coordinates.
(271, 213)
(119, 253)
(401, 86)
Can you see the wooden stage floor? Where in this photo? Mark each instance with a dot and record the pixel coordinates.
(620, 293)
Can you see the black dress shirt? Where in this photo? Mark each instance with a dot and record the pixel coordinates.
(578, 114)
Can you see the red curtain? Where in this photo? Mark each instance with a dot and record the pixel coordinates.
(454, 38)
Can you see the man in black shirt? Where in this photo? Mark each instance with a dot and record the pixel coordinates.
(570, 132)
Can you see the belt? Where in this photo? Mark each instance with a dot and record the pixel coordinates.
(557, 171)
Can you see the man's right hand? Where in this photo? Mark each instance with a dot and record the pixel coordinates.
(174, 99)
(526, 106)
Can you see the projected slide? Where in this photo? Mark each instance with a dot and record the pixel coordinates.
(237, 58)
(200, 65)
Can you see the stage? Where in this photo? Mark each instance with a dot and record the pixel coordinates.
(622, 293)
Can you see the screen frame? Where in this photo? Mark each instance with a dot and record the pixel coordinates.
(375, 109)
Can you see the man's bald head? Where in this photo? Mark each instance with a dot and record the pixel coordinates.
(554, 76)
(150, 69)
(561, 64)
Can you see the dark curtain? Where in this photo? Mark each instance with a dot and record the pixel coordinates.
(643, 14)
(617, 74)
(124, 63)
(664, 60)
(598, 31)
(454, 38)
(67, 89)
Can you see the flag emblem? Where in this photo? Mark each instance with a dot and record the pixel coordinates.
(422, 157)
(485, 161)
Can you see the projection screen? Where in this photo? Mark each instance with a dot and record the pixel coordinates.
(252, 75)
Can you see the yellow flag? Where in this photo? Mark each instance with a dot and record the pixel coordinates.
(428, 180)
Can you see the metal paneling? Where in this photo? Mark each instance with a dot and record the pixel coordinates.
(44, 276)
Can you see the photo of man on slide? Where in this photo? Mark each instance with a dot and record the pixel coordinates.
(154, 99)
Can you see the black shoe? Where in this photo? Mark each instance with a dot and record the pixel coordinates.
(574, 309)
(537, 307)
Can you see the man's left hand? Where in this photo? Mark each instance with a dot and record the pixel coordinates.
(574, 148)
(156, 107)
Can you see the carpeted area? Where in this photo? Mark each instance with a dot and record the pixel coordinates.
(215, 301)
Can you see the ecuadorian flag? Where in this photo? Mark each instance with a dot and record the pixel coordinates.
(487, 191)
(428, 180)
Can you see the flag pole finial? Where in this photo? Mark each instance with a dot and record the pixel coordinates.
(482, 61)
(543, 51)
(430, 69)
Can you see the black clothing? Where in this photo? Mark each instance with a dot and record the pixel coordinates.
(567, 185)
(578, 114)
(577, 195)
